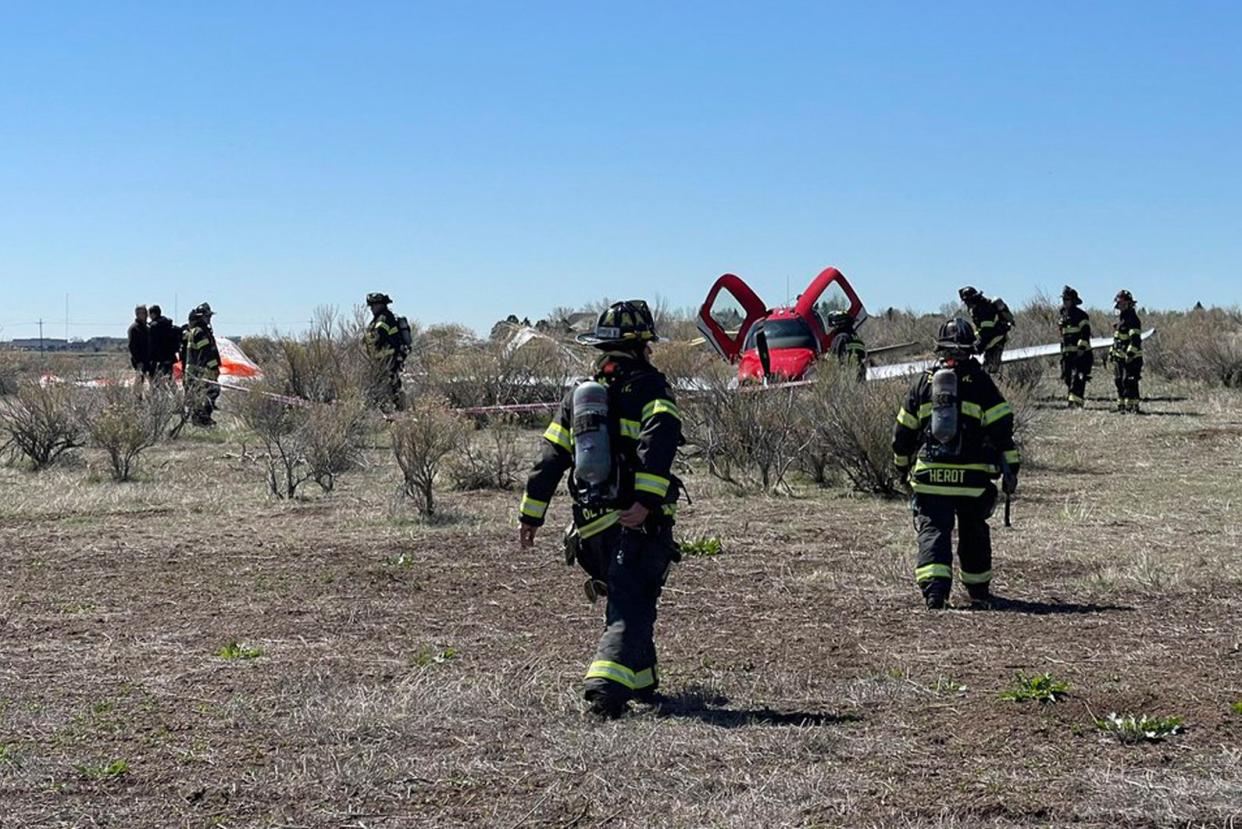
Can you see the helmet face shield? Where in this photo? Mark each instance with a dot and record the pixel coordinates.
(378, 298)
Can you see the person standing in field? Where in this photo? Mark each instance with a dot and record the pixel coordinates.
(953, 437)
(617, 435)
(1076, 357)
(200, 360)
(165, 343)
(993, 321)
(387, 345)
(140, 344)
(1126, 355)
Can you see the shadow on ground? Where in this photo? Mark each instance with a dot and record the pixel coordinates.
(1003, 605)
(706, 707)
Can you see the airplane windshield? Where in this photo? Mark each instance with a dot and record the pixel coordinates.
(786, 333)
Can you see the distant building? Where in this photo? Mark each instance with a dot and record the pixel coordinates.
(91, 346)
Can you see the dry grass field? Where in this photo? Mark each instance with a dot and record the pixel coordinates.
(184, 651)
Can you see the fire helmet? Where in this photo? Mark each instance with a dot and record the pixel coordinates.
(1123, 297)
(956, 336)
(969, 293)
(1071, 296)
(378, 298)
(622, 324)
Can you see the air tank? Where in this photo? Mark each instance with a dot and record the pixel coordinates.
(592, 454)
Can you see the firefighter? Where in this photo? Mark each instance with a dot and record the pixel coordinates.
(622, 531)
(993, 321)
(847, 346)
(386, 346)
(954, 436)
(1076, 357)
(1126, 355)
(200, 360)
(165, 343)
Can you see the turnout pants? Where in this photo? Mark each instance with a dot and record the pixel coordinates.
(201, 393)
(637, 565)
(1076, 371)
(992, 358)
(934, 516)
(1126, 376)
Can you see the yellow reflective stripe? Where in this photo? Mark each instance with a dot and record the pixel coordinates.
(200, 344)
(934, 489)
(631, 429)
(925, 411)
(972, 410)
(559, 435)
(599, 524)
(1070, 329)
(669, 510)
(383, 326)
(634, 680)
(1135, 331)
(996, 413)
(997, 339)
(906, 419)
(1013, 456)
(976, 578)
(1076, 399)
(213, 364)
(533, 508)
(987, 324)
(972, 467)
(933, 571)
(660, 406)
(901, 460)
(655, 484)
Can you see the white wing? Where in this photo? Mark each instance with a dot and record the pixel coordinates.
(1011, 355)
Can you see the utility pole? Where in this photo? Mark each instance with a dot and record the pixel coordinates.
(40, 335)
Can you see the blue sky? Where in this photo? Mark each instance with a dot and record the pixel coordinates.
(478, 159)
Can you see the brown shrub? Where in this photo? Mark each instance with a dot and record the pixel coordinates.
(490, 458)
(42, 423)
(422, 439)
(128, 421)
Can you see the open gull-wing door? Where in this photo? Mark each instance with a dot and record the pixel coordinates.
(827, 293)
(727, 315)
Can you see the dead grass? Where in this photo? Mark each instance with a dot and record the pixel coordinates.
(800, 671)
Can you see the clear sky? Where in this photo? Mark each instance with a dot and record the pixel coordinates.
(477, 159)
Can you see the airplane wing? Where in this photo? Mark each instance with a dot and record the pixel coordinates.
(1011, 355)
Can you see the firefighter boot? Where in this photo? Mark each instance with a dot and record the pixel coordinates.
(936, 593)
(980, 596)
(604, 705)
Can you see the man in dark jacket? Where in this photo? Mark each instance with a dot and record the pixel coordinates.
(200, 360)
(957, 431)
(622, 532)
(1126, 355)
(140, 344)
(165, 343)
(1076, 357)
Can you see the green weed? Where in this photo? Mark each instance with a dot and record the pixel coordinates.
(405, 560)
(235, 650)
(8, 756)
(1236, 706)
(703, 546)
(1135, 729)
(427, 655)
(104, 771)
(1041, 687)
(947, 686)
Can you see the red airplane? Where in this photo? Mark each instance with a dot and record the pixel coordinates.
(793, 337)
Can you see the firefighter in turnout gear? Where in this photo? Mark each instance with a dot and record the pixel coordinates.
(386, 346)
(200, 360)
(847, 346)
(1076, 357)
(954, 436)
(1126, 355)
(617, 436)
(993, 321)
